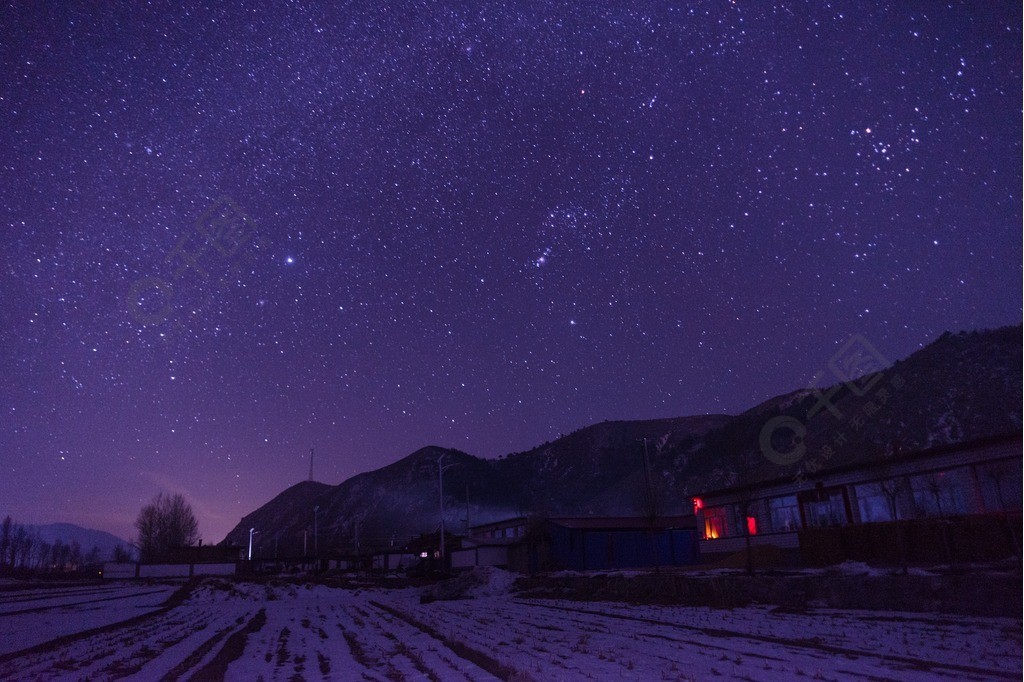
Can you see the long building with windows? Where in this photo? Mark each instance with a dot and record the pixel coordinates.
(968, 479)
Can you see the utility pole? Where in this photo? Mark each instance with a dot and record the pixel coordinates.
(305, 532)
(316, 534)
(650, 484)
(441, 468)
(652, 506)
(467, 509)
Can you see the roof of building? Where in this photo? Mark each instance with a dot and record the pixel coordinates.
(493, 525)
(625, 522)
(991, 442)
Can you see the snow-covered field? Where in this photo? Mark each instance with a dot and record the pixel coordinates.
(247, 631)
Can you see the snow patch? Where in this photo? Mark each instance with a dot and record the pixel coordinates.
(482, 581)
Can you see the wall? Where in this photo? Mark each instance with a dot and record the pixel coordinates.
(119, 571)
(213, 569)
(113, 571)
(990, 537)
(479, 556)
(164, 570)
(591, 550)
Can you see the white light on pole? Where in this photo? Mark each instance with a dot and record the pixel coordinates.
(252, 531)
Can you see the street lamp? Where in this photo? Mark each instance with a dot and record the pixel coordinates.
(252, 531)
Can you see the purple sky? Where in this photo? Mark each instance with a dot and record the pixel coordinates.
(476, 227)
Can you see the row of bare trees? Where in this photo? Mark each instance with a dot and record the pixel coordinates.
(21, 549)
(165, 525)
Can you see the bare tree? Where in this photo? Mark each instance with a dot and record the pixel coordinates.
(43, 550)
(121, 554)
(5, 540)
(76, 555)
(891, 488)
(997, 473)
(59, 554)
(166, 524)
(21, 544)
(936, 484)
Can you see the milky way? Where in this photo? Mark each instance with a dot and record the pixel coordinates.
(234, 234)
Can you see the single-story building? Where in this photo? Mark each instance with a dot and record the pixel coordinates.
(967, 479)
(396, 560)
(587, 543)
(488, 544)
(603, 543)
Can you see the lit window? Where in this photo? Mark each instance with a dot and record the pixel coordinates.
(714, 523)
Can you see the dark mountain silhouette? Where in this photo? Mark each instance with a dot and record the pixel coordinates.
(599, 469)
(959, 388)
(87, 538)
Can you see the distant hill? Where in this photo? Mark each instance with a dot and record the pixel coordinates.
(86, 538)
(961, 387)
(599, 469)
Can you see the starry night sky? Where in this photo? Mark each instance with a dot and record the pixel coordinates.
(235, 233)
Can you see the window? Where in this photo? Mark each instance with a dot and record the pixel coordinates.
(875, 501)
(1000, 484)
(714, 523)
(825, 508)
(784, 514)
(942, 493)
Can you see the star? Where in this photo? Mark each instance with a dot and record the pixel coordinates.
(468, 190)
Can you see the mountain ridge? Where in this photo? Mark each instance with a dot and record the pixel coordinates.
(87, 538)
(961, 386)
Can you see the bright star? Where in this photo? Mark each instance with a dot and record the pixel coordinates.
(289, 260)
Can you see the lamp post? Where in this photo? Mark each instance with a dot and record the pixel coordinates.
(252, 531)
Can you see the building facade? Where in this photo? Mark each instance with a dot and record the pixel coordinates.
(977, 478)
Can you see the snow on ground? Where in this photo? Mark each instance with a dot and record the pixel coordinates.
(248, 631)
(573, 640)
(31, 617)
